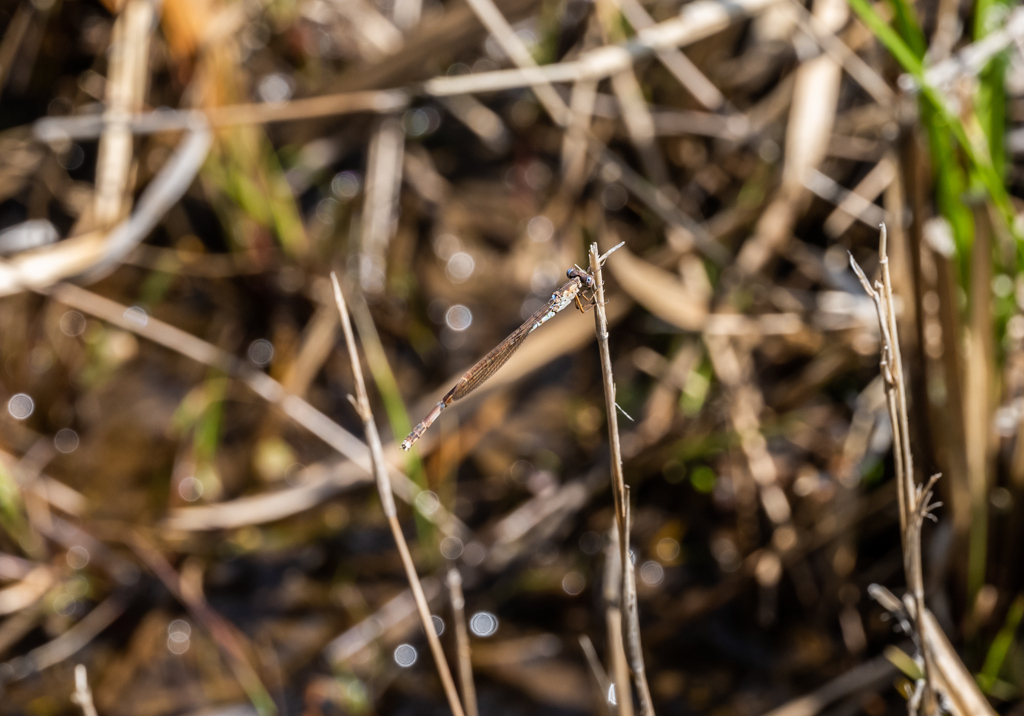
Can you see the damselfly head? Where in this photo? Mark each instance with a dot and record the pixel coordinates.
(585, 278)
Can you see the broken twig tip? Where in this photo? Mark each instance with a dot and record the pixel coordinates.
(604, 257)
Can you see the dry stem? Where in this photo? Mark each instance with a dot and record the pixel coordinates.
(621, 496)
(914, 501)
(82, 695)
(462, 641)
(362, 404)
(618, 666)
(636, 655)
(598, 672)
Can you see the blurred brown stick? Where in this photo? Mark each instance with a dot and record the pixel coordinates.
(696, 21)
(67, 644)
(857, 680)
(163, 120)
(229, 639)
(125, 94)
(618, 664)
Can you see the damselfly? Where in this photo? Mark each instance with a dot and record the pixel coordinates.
(565, 296)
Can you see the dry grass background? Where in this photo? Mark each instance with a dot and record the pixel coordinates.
(188, 522)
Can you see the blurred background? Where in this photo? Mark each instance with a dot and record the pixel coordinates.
(185, 508)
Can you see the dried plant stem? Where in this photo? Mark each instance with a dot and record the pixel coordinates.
(67, 644)
(618, 666)
(389, 618)
(231, 642)
(598, 672)
(362, 404)
(380, 215)
(17, 28)
(636, 655)
(601, 321)
(696, 21)
(914, 502)
(621, 497)
(859, 70)
(125, 94)
(462, 641)
(689, 76)
(89, 126)
(635, 112)
(502, 31)
(82, 695)
(977, 391)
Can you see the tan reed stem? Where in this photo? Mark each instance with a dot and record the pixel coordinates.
(913, 502)
(362, 405)
(462, 642)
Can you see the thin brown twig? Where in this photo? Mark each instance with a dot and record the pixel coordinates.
(362, 405)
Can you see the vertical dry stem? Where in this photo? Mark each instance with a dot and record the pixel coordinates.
(636, 656)
(621, 495)
(618, 665)
(126, 88)
(608, 381)
(362, 404)
(598, 672)
(380, 216)
(913, 501)
(462, 641)
(977, 381)
(82, 694)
